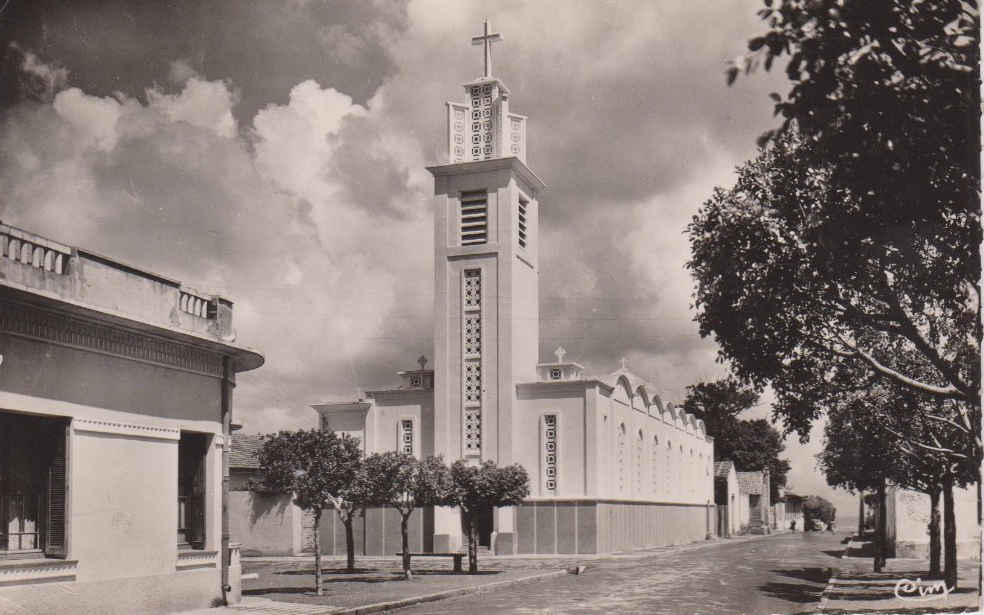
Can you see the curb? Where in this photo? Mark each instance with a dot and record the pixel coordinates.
(834, 577)
(450, 593)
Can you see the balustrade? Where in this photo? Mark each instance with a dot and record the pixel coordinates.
(38, 253)
(197, 306)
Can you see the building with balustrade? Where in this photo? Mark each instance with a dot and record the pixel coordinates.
(612, 466)
(115, 404)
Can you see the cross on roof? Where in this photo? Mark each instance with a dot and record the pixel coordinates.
(487, 39)
(422, 361)
(560, 352)
(625, 363)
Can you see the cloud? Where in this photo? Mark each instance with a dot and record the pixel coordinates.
(94, 118)
(180, 72)
(205, 104)
(326, 284)
(44, 79)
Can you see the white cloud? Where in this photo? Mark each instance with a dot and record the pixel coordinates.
(205, 104)
(93, 117)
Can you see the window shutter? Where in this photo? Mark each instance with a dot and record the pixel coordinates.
(55, 537)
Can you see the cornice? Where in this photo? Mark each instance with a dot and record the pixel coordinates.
(36, 323)
(126, 429)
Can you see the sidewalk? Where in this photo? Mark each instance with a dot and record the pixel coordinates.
(855, 588)
(285, 584)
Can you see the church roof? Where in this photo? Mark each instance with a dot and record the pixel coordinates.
(722, 468)
(750, 482)
(245, 452)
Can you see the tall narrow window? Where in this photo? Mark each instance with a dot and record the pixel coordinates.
(621, 458)
(523, 206)
(474, 217)
(654, 466)
(549, 460)
(406, 436)
(638, 465)
(471, 351)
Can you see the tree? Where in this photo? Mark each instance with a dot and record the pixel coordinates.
(816, 508)
(317, 467)
(751, 445)
(859, 454)
(480, 488)
(401, 481)
(853, 238)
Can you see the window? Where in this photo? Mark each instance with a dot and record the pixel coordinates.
(415, 381)
(474, 218)
(555, 373)
(471, 348)
(621, 458)
(32, 485)
(549, 461)
(523, 205)
(406, 436)
(192, 449)
(654, 474)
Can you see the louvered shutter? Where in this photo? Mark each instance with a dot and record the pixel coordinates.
(55, 535)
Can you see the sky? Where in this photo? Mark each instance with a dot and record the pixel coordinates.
(275, 153)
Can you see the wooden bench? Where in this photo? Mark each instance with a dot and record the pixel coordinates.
(457, 557)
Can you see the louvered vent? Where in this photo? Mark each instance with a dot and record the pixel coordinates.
(474, 218)
(523, 204)
(55, 543)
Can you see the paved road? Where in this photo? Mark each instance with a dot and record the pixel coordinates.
(773, 574)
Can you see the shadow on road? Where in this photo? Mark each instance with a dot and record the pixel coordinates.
(808, 592)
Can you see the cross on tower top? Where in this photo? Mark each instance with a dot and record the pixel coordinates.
(625, 363)
(487, 39)
(560, 352)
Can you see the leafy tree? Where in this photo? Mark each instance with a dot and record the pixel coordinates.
(479, 488)
(859, 454)
(852, 239)
(401, 481)
(317, 467)
(751, 445)
(817, 509)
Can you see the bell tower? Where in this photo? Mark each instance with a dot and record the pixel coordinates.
(486, 300)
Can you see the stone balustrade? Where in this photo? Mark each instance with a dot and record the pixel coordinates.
(196, 305)
(34, 251)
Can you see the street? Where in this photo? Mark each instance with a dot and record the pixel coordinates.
(775, 574)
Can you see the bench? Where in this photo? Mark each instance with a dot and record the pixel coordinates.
(457, 557)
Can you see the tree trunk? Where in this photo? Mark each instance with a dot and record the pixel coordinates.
(934, 532)
(949, 535)
(406, 544)
(472, 545)
(881, 541)
(319, 589)
(860, 514)
(349, 542)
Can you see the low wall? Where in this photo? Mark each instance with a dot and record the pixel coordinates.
(265, 524)
(605, 526)
(375, 533)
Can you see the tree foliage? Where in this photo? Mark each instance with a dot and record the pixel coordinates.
(479, 488)
(750, 444)
(847, 250)
(402, 482)
(817, 509)
(318, 467)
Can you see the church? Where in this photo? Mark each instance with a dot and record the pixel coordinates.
(612, 467)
